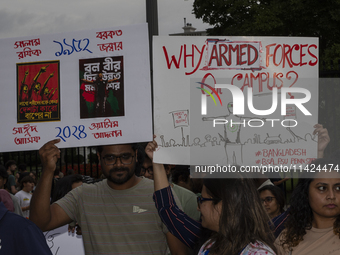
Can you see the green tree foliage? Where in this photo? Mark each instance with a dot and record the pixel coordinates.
(310, 18)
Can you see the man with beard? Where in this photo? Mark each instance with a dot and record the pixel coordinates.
(116, 215)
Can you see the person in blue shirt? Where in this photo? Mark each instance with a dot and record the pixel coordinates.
(19, 236)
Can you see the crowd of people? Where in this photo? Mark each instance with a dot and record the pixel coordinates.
(141, 207)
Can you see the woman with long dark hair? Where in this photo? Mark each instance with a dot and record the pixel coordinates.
(233, 218)
(273, 200)
(313, 226)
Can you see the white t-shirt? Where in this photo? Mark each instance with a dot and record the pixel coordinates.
(24, 200)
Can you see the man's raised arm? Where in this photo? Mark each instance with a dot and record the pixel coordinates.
(44, 215)
(323, 139)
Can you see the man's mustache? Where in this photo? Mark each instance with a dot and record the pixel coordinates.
(118, 169)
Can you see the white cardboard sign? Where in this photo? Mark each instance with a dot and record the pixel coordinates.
(189, 100)
(61, 242)
(86, 88)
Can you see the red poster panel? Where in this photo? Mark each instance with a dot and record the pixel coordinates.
(38, 91)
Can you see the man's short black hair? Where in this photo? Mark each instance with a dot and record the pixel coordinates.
(100, 148)
(64, 185)
(22, 167)
(9, 163)
(180, 172)
(25, 180)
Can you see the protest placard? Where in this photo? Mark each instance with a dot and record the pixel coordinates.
(250, 100)
(86, 87)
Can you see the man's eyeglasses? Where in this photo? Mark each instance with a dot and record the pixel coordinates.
(125, 159)
(144, 170)
(201, 199)
(267, 199)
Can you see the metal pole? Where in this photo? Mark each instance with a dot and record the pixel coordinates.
(152, 20)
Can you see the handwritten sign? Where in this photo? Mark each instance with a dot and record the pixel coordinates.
(247, 100)
(61, 242)
(66, 85)
(180, 118)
